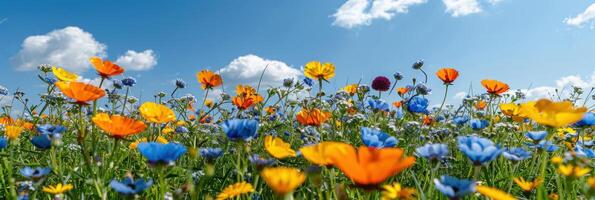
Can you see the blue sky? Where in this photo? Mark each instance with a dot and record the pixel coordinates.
(542, 44)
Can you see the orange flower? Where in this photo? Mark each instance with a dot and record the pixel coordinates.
(447, 75)
(402, 90)
(428, 120)
(6, 120)
(494, 86)
(81, 92)
(480, 105)
(208, 79)
(246, 97)
(397, 104)
(106, 68)
(118, 126)
(370, 166)
(312, 117)
(318, 153)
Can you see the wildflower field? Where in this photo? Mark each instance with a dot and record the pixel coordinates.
(78, 141)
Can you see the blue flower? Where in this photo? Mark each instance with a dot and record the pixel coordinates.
(181, 129)
(478, 150)
(587, 120)
(454, 188)
(117, 84)
(50, 80)
(128, 186)
(211, 153)
(35, 174)
(478, 124)
(3, 142)
(460, 120)
(584, 152)
(180, 83)
(259, 161)
(418, 104)
(129, 81)
(49, 129)
(516, 154)
(240, 129)
(308, 81)
(42, 141)
(432, 151)
(378, 105)
(536, 136)
(158, 153)
(544, 145)
(422, 89)
(377, 138)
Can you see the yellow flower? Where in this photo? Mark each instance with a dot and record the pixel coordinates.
(318, 153)
(493, 193)
(561, 132)
(64, 75)
(350, 89)
(318, 71)
(235, 190)
(527, 186)
(591, 182)
(283, 180)
(557, 160)
(553, 114)
(167, 130)
(141, 140)
(209, 103)
(58, 189)
(156, 113)
(572, 170)
(13, 132)
(395, 191)
(181, 123)
(278, 148)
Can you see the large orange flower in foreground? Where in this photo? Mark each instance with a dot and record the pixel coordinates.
(106, 68)
(447, 75)
(553, 114)
(81, 92)
(156, 113)
(494, 86)
(369, 166)
(319, 71)
(312, 117)
(208, 79)
(118, 126)
(319, 153)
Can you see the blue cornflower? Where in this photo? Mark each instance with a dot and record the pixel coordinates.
(588, 143)
(308, 81)
(158, 153)
(587, 120)
(35, 174)
(259, 161)
(516, 154)
(49, 129)
(584, 152)
(422, 89)
(545, 145)
(240, 129)
(418, 64)
(418, 104)
(377, 138)
(454, 188)
(536, 136)
(50, 80)
(398, 76)
(117, 84)
(182, 129)
(478, 124)
(128, 186)
(129, 81)
(378, 105)
(42, 141)
(460, 120)
(180, 83)
(3, 142)
(432, 151)
(211, 153)
(478, 150)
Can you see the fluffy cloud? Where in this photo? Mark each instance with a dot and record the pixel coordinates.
(70, 47)
(458, 8)
(354, 13)
(248, 69)
(5, 100)
(563, 85)
(582, 18)
(460, 95)
(107, 84)
(137, 61)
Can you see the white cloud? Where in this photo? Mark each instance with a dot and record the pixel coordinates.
(460, 95)
(582, 18)
(459, 8)
(5, 100)
(137, 61)
(107, 84)
(563, 85)
(70, 47)
(494, 2)
(354, 13)
(248, 69)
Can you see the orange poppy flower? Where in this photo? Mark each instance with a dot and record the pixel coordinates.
(494, 86)
(106, 68)
(208, 79)
(428, 120)
(6, 120)
(246, 97)
(81, 92)
(312, 117)
(447, 75)
(402, 90)
(480, 105)
(397, 104)
(369, 166)
(118, 126)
